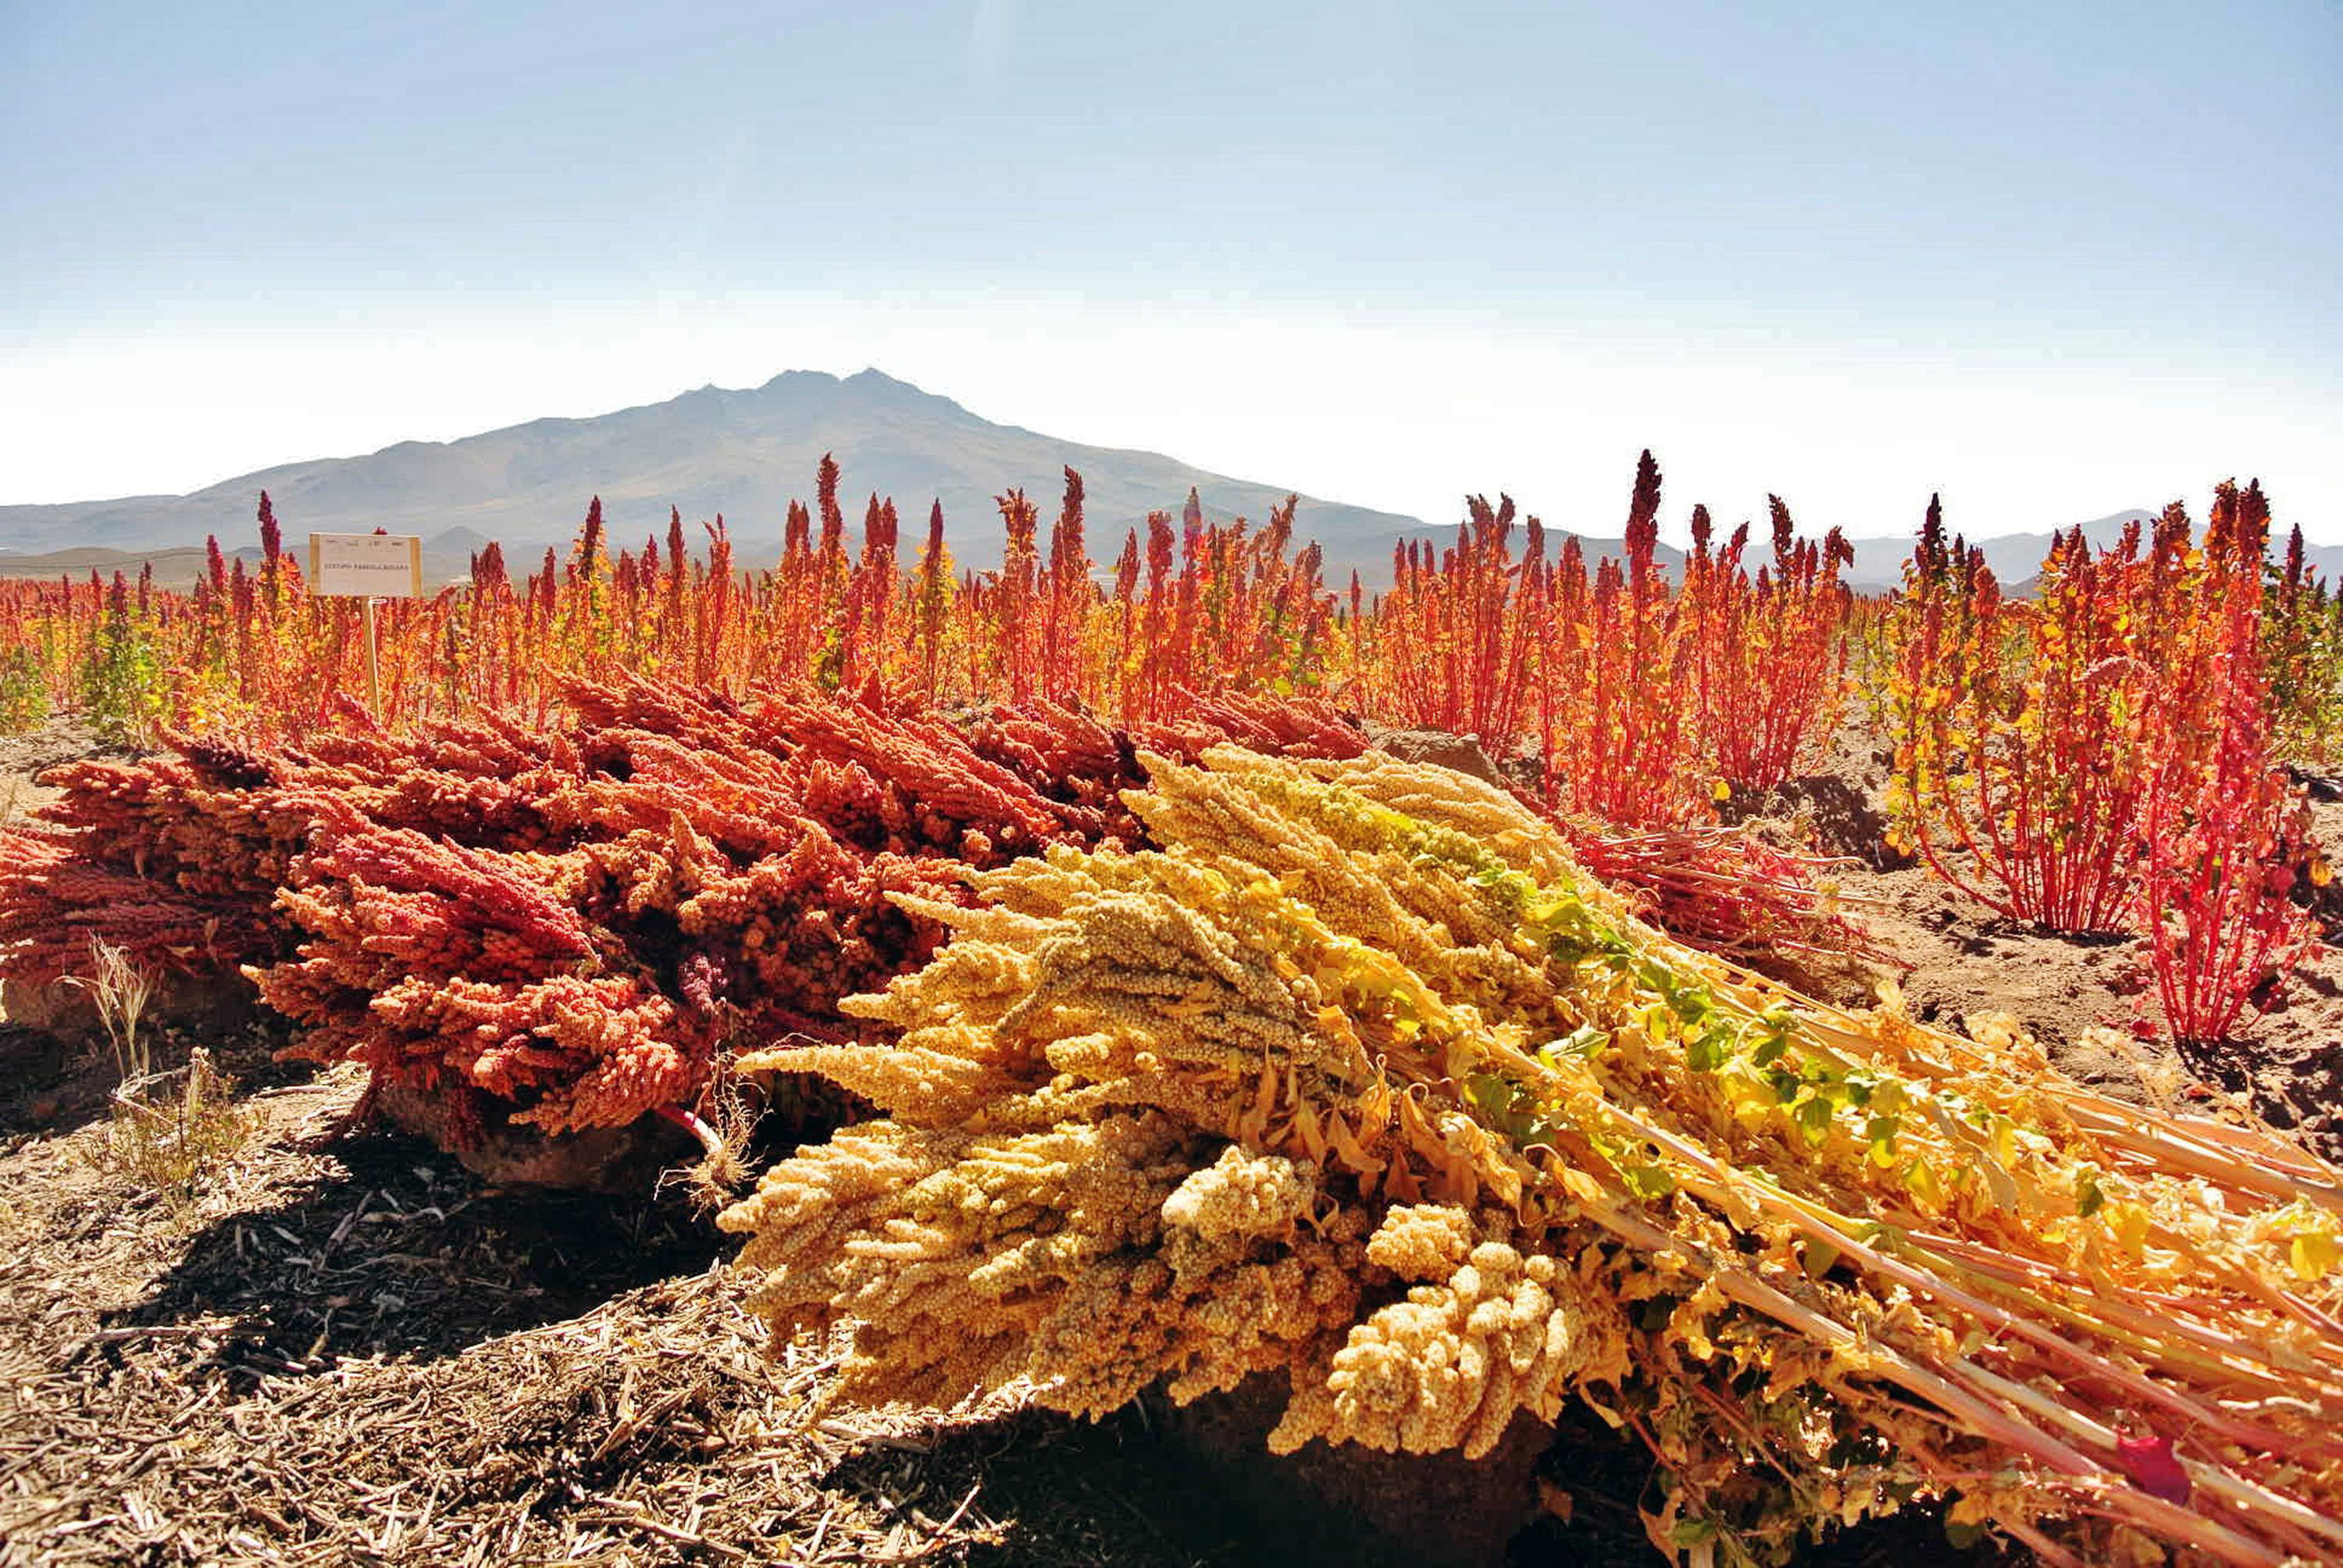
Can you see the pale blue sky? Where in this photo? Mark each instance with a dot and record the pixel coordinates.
(2052, 259)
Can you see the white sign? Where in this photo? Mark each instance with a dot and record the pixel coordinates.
(366, 565)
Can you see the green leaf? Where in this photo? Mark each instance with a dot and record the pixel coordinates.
(1581, 1042)
(1815, 1117)
(1647, 1181)
(1693, 1531)
(1880, 1130)
(2089, 1198)
(1488, 1091)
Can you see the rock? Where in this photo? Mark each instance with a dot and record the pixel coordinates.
(615, 1160)
(1442, 750)
(216, 1002)
(1840, 817)
(1342, 1503)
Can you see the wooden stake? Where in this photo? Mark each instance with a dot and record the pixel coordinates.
(374, 670)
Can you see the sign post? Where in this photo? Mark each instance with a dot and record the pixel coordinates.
(366, 566)
(374, 663)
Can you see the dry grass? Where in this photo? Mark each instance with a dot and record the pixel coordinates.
(120, 990)
(171, 1132)
(358, 1356)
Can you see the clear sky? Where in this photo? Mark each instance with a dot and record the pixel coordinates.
(2051, 259)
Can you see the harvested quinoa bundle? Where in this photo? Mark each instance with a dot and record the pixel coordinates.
(1359, 1080)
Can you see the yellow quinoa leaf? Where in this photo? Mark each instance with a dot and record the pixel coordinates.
(2314, 1254)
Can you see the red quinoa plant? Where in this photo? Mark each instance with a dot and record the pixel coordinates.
(1618, 676)
(2224, 827)
(2024, 733)
(2107, 757)
(2302, 653)
(1769, 661)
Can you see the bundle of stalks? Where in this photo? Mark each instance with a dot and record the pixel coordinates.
(1723, 888)
(566, 924)
(1362, 1079)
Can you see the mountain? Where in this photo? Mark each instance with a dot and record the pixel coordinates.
(741, 453)
(2016, 558)
(176, 567)
(744, 454)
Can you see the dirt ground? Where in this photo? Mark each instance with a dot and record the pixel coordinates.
(1954, 959)
(359, 1356)
(351, 1351)
(24, 757)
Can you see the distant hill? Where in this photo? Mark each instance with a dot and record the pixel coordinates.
(744, 454)
(174, 569)
(2015, 558)
(741, 453)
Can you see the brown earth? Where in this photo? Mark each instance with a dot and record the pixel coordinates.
(22, 758)
(354, 1350)
(351, 1351)
(1954, 959)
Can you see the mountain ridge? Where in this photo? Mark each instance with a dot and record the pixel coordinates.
(745, 451)
(709, 451)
